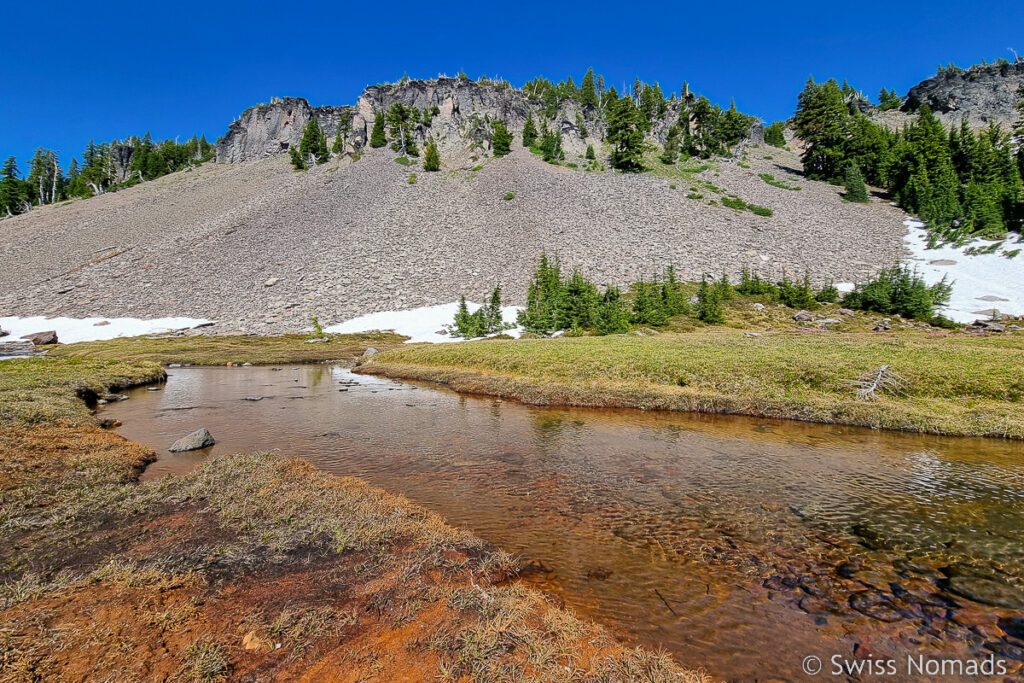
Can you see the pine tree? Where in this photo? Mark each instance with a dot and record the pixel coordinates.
(588, 93)
(822, 122)
(377, 136)
(611, 316)
(856, 189)
(670, 154)
(298, 163)
(774, 134)
(625, 134)
(501, 139)
(648, 306)
(590, 153)
(402, 129)
(709, 304)
(13, 191)
(551, 146)
(314, 143)
(529, 132)
(431, 157)
(344, 129)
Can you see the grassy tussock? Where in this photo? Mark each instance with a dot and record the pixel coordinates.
(50, 391)
(957, 384)
(236, 349)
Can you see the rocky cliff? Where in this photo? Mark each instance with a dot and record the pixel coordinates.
(461, 109)
(982, 93)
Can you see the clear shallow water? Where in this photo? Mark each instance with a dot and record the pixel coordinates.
(739, 545)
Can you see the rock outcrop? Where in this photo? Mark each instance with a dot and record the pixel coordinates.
(266, 130)
(460, 112)
(982, 93)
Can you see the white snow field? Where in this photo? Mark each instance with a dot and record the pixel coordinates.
(981, 282)
(424, 324)
(70, 330)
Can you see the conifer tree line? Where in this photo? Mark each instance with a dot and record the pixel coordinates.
(571, 303)
(104, 166)
(961, 182)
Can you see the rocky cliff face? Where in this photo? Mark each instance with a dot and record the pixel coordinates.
(982, 93)
(462, 109)
(266, 130)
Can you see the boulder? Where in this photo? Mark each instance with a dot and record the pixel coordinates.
(803, 316)
(201, 438)
(757, 306)
(845, 311)
(369, 351)
(3, 332)
(42, 338)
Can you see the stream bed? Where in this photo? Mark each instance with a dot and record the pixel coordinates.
(739, 545)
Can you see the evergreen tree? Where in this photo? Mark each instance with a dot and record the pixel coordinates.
(543, 298)
(13, 191)
(822, 119)
(314, 143)
(670, 154)
(774, 134)
(612, 316)
(551, 146)
(590, 153)
(298, 162)
(402, 129)
(625, 133)
(529, 132)
(431, 157)
(588, 93)
(577, 307)
(856, 189)
(888, 99)
(648, 305)
(344, 130)
(673, 300)
(709, 303)
(501, 139)
(377, 136)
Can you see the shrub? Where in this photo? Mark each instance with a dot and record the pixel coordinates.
(412, 179)
(509, 196)
(404, 161)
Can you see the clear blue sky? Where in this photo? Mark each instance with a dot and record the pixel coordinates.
(103, 70)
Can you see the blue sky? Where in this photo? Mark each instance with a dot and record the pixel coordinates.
(75, 71)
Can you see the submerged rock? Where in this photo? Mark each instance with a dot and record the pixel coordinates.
(201, 438)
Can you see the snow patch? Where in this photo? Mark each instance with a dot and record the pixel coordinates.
(70, 330)
(424, 324)
(981, 282)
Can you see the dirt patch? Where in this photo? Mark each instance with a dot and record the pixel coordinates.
(256, 566)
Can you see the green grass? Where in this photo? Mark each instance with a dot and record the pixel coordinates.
(404, 161)
(738, 204)
(235, 349)
(770, 179)
(50, 390)
(957, 384)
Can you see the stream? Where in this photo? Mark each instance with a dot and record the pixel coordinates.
(738, 545)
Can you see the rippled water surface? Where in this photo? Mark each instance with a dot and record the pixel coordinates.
(739, 545)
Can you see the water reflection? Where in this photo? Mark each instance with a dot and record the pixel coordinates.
(708, 535)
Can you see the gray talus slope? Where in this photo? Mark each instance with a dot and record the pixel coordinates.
(360, 238)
